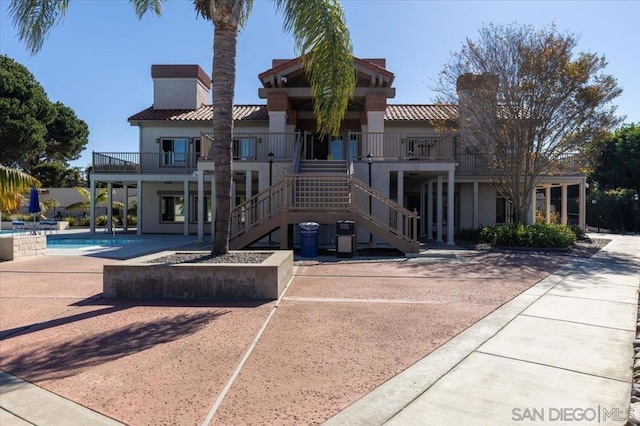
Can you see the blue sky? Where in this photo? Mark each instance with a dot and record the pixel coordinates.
(98, 60)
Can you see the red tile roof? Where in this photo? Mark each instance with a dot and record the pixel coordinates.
(420, 112)
(204, 113)
(259, 112)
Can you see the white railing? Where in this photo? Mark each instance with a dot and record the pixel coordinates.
(401, 146)
(257, 146)
(325, 194)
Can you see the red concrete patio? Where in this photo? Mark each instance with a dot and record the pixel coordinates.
(342, 329)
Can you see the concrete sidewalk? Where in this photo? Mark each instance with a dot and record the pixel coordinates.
(561, 352)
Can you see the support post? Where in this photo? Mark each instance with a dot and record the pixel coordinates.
(187, 212)
(450, 206)
(439, 209)
(109, 207)
(92, 206)
(139, 207)
(430, 209)
(547, 203)
(475, 205)
(563, 202)
(201, 204)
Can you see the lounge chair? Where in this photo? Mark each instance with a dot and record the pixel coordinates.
(48, 225)
(19, 226)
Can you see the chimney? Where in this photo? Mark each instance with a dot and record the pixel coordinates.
(179, 86)
(477, 101)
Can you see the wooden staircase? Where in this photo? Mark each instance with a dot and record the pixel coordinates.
(322, 198)
(323, 167)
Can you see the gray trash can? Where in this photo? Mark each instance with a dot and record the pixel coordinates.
(345, 238)
(309, 239)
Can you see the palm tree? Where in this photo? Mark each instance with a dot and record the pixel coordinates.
(322, 39)
(102, 198)
(14, 183)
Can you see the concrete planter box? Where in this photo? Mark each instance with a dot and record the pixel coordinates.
(138, 279)
(18, 246)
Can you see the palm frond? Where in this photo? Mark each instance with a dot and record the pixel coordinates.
(34, 19)
(13, 183)
(322, 39)
(143, 6)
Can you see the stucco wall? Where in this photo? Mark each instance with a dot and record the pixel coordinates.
(179, 93)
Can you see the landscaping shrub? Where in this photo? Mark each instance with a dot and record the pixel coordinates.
(540, 235)
(580, 233)
(468, 234)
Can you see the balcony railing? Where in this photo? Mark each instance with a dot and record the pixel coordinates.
(401, 146)
(482, 164)
(257, 146)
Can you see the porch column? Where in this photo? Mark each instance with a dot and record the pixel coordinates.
(109, 227)
(422, 209)
(125, 224)
(200, 205)
(248, 184)
(563, 203)
(400, 196)
(547, 203)
(187, 212)
(582, 203)
(430, 209)
(214, 203)
(439, 209)
(450, 206)
(475, 205)
(139, 208)
(532, 209)
(92, 206)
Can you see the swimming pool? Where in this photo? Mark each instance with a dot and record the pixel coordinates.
(74, 243)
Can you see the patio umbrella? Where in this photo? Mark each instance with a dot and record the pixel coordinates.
(34, 203)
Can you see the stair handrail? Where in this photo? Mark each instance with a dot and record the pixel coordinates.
(258, 209)
(406, 221)
(297, 153)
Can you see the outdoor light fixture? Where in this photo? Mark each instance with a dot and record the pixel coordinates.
(271, 155)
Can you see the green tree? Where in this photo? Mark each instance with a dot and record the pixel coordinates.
(531, 103)
(322, 38)
(617, 164)
(34, 131)
(25, 112)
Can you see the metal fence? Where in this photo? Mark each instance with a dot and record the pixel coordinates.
(613, 215)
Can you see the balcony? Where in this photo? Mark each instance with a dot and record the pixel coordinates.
(402, 146)
(480, 165)
(246, 147)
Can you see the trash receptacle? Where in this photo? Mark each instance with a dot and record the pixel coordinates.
(309, 239)
(345, 238)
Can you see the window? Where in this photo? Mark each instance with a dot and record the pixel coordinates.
(504, 210)
(172, 209)
(245, 147)
(174, 151)
(208, 212)
(421, 147)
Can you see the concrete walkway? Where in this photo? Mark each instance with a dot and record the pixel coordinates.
(561, 352)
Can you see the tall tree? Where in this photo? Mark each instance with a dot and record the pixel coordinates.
(617, 164)
(25, 112)
(321, 36)
(33, 130)
(529, 103)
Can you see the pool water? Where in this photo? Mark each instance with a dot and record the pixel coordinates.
(75, 243)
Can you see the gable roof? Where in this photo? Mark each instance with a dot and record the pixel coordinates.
(286, 67)
(402, 112)
(204, 113)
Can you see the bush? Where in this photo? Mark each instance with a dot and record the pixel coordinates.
(468, 234)
(580, 233)
(540, 235)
